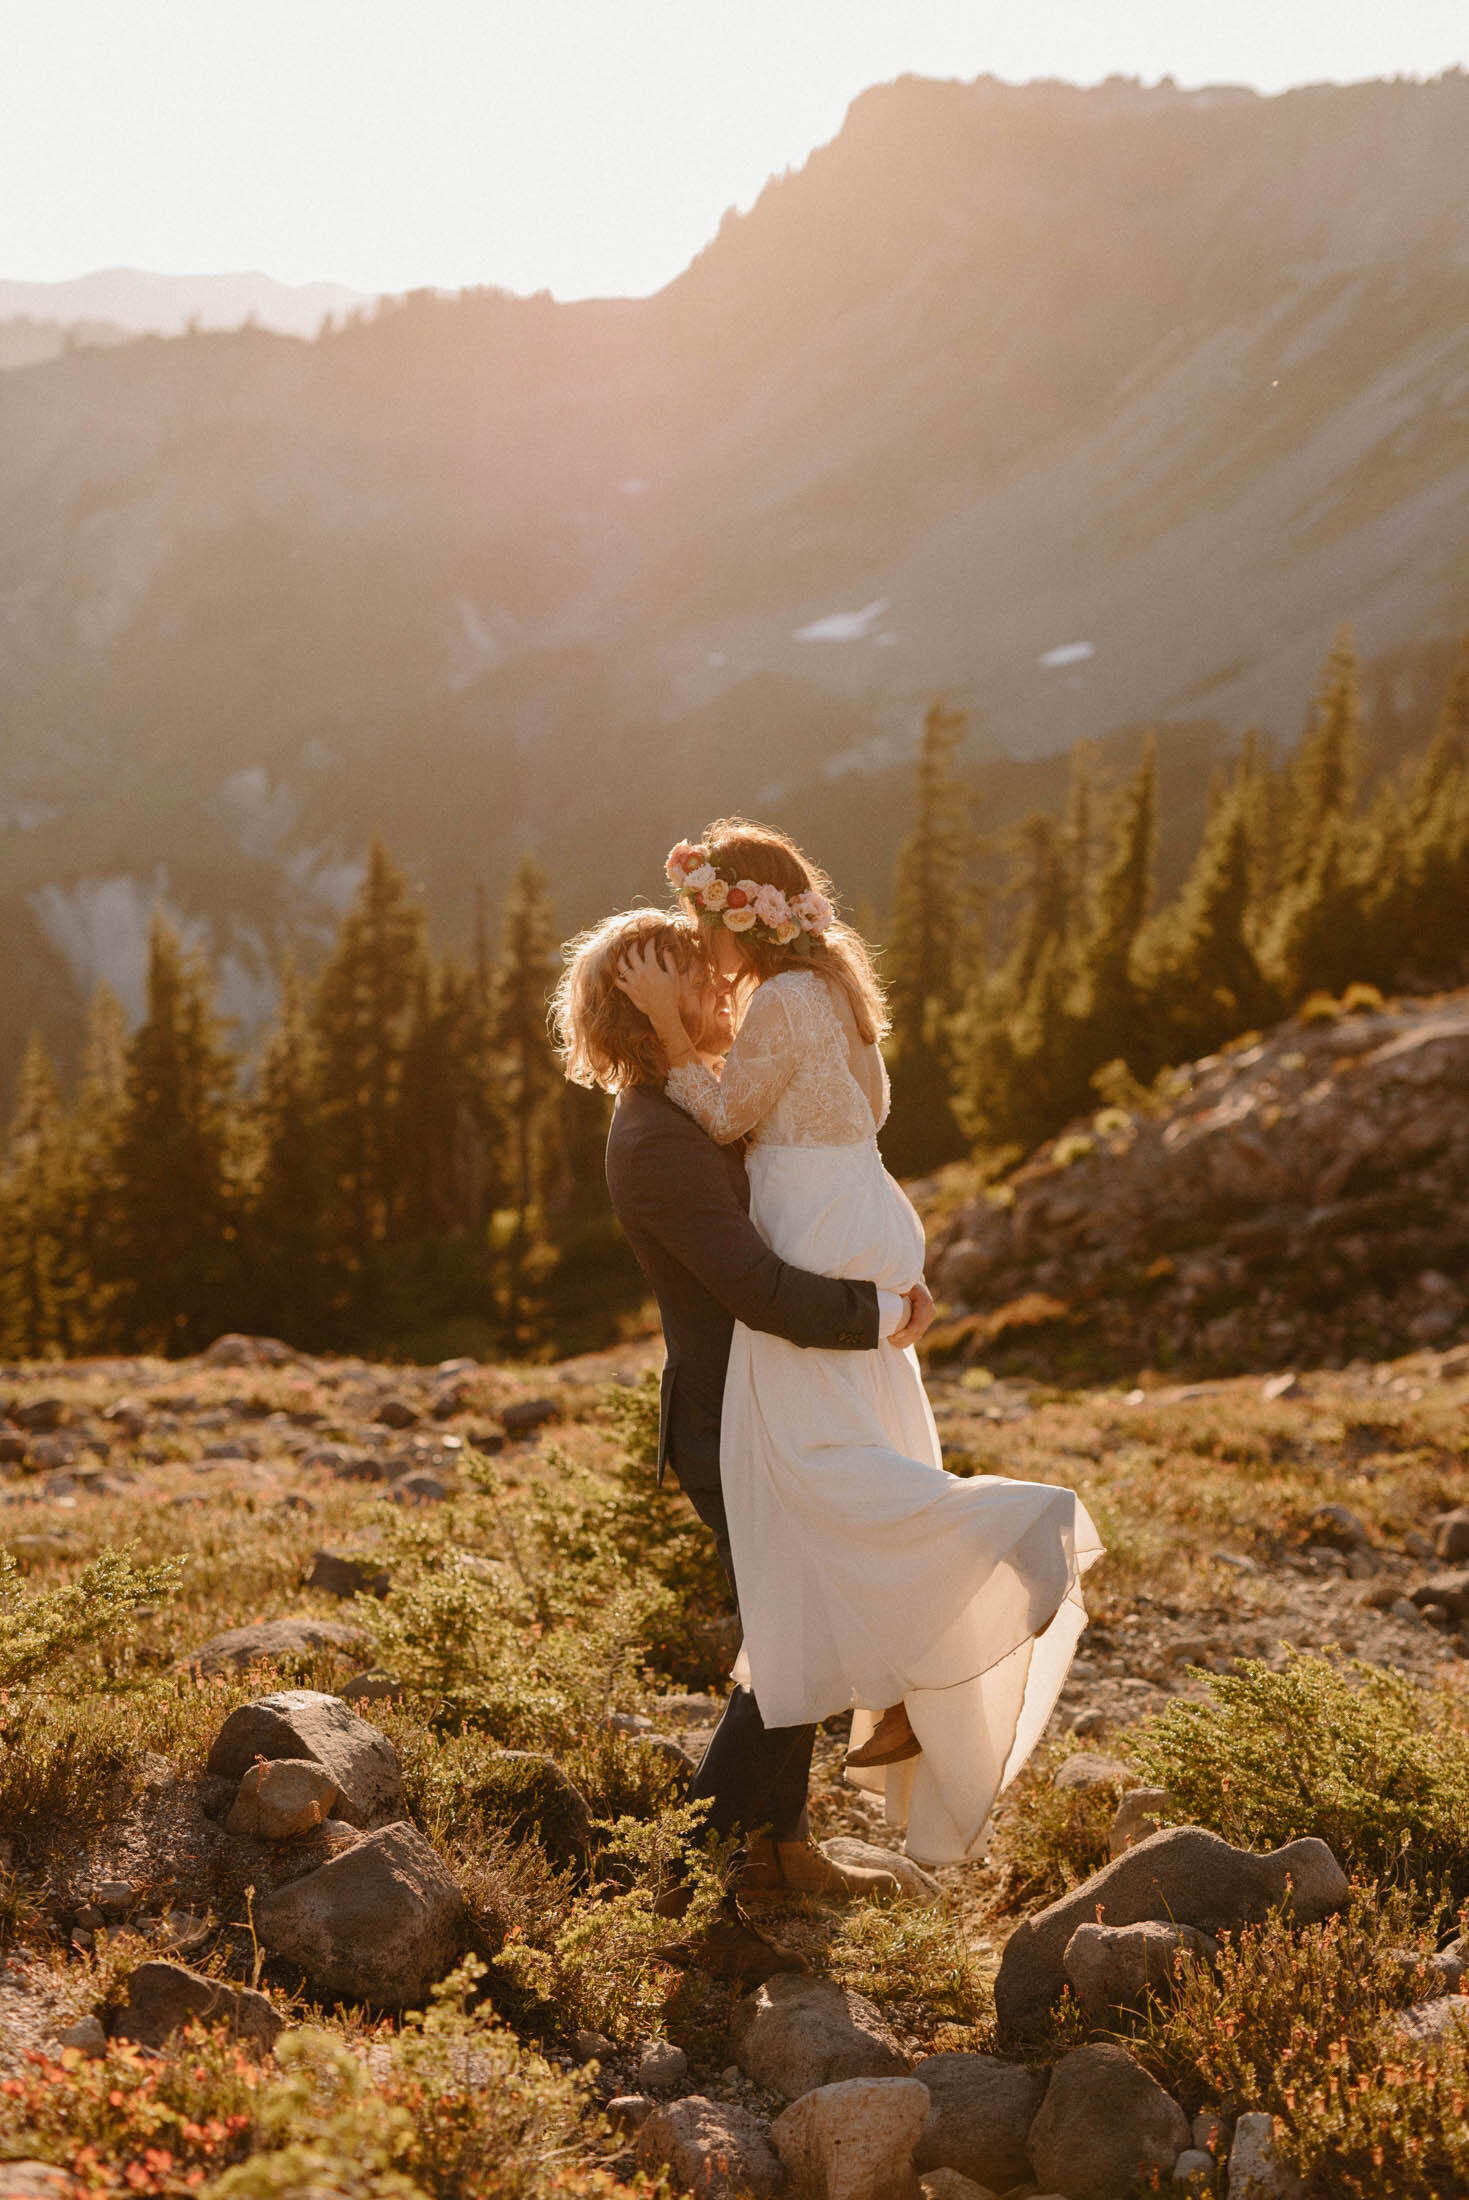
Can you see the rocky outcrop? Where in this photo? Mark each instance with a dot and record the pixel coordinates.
(713, 2149)
(239, 1647)
(163, 1996)
(980, 2113)
(1183, 1875)
(1305, 1197)
(854, 2141)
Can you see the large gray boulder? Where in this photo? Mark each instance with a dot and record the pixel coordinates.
(1255, 2170)
(163, 1996)
(301, 1722)
(1104, 2125)
(1183, 1875)
(979, 2116)
(713, 2149)
(380, 1923)
(855, 2140)
(239, 1647)
(795, 2033)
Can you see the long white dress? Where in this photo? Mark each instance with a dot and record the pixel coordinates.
(868, 1574)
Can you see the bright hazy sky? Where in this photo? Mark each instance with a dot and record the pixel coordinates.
(578, 145)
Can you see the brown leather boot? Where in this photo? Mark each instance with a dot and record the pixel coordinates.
(798, 1867)
(732, 1948)
(891, 1741)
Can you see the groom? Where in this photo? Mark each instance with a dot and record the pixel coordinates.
(683, 1205)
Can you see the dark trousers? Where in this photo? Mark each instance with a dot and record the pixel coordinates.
(751, 1774)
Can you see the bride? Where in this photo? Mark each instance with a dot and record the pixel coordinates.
(944, 1613)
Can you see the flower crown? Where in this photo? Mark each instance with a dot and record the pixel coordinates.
(744, 905)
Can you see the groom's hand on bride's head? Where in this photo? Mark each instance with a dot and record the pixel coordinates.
(920, 1317)
(649, 981)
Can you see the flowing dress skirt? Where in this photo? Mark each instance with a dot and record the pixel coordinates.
(867, 1573)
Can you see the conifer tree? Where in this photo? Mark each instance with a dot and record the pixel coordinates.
(96, 1121)
(1105, 1002)
(529, 1069)
(365, 999)
(38, 1283)
(1323, 776)
(296, 1286)
(1200, 975)
(172, 1240)
(931, 938)
(452, 1125)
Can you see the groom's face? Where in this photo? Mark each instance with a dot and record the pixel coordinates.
(703, 1007)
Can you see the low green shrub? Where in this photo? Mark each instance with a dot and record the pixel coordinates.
(912, 1959)
(1048, 1839)
(39, 1627)
(1357, 1755)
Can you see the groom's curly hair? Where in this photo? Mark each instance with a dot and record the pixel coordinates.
(601, 1038)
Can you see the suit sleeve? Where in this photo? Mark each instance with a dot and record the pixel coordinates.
(684, 1198)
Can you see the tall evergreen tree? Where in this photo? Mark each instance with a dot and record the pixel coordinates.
(931, 938)
(96, 1123)
(297, 1287)
(1105, 1000)
(172, 1240)
(1200, 975)
(38, 1282)
(1323, 776)
(365, 1000)
(529, 1067)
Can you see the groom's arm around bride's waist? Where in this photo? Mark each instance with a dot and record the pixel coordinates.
(677, 1189)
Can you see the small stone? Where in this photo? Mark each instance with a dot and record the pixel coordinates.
(1090, 1721)
(419, 1487)
(1103, 2125)
(1337, 1527)
(1194, 2170)
(713, 2149)
(530, 1413)
(1451, 1536)
(372, 1688)
(301, 1722)
(592, 2047)
(128, 1414)
(1404, 1608)
(380, 1923)
(239, 1647)
(1112, 1967)
(114, 1898)
(947, 2184)
(350, 1461)
(86, 2036)
(1449, 1591)
(396, 1412)
(280, 1797)
(1431, 2020)
(34, 2181)
(1137, 1815)
(980, 2114)
(348, 1574)
(629, 2111)
(40, 1416)
(1255, 2171)
(1087, 1768)
(661, 2065)
(854, 2140)
(1280, 1386)
(914, 1882)
(794, 2034)
(162, 1996)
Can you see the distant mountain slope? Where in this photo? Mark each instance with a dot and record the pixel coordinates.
(149, 304)
(1088, 408)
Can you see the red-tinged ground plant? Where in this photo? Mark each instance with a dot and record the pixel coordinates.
(126, 2123)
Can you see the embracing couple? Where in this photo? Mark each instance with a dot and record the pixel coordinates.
(740, 1031)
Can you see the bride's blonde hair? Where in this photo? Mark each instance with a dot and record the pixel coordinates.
(740, 849)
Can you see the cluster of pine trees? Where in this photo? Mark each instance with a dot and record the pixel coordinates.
(1032, 979)
(406, 1171)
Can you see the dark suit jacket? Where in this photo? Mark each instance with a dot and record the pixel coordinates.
(683, 1204)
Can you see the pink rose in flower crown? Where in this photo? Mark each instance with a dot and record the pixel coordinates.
(683, 859)
(812, 911)
(770, 907)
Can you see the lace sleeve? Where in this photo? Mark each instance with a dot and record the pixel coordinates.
(757, 1069)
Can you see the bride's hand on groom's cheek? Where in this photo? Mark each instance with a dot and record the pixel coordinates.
(920, 1317)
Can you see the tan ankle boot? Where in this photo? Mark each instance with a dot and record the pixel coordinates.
(798, 1867)
(891, 1741)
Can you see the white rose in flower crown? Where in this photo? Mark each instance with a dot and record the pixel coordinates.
(739, 920)
(715, 895)
(770, 907)
(813, 910)
(696, 880)
(787, 932)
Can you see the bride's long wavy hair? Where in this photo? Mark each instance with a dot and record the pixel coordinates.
(740, 849)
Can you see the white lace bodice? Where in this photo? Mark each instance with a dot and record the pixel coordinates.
(787, 1079)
